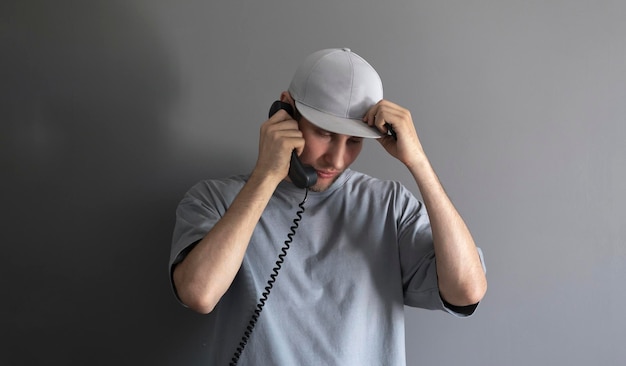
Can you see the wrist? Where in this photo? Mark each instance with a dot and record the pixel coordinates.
(263, 178)
(417, 162)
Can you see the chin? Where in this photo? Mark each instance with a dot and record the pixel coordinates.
(322, 185)
(318, 188)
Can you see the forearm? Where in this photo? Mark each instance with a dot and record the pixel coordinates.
(459, 269)
(460, 273)
(209, 269)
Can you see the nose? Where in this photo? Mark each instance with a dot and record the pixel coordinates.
(335, 155)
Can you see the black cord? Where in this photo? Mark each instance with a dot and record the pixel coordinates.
(270, 283)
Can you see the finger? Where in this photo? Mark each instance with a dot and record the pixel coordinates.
(271, 127)
(385, 119)
(281, 115)
(374, 115)
(371, 113)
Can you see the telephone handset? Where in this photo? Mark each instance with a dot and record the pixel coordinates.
(303, 176)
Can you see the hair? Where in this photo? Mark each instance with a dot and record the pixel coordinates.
(296, 113)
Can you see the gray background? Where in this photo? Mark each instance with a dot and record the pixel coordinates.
(111, 110)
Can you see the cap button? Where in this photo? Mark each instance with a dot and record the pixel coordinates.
(346, 49)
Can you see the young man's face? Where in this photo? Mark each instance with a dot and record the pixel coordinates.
(329, 153)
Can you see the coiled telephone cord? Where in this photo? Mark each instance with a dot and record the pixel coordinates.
(270, 283)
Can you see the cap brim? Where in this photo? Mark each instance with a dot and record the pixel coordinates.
(340, 125)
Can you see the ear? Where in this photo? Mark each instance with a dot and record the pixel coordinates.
(286, 97)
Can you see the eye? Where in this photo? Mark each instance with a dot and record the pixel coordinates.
(355, 140)
(323, 132)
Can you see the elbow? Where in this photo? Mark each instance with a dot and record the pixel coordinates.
(475, 291)
(475, 294)
(468, 294)
(199, 304)
(202, 302)
(196, 297)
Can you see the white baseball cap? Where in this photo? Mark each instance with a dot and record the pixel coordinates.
(334, 88)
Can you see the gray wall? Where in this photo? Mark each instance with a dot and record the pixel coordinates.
(110, 110)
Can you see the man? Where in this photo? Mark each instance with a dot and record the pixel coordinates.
(363, 249)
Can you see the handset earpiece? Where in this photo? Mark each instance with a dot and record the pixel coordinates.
(278, 105)
(303, 176)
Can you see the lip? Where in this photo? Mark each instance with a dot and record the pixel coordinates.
(326, 174)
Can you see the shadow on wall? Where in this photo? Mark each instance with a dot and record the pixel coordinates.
(89, 185)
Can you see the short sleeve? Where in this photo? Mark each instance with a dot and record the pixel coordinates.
(199, 210)
(417, 259)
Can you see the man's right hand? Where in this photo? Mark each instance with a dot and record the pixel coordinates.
(279, 136)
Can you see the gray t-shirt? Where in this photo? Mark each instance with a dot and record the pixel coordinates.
(362, 251)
